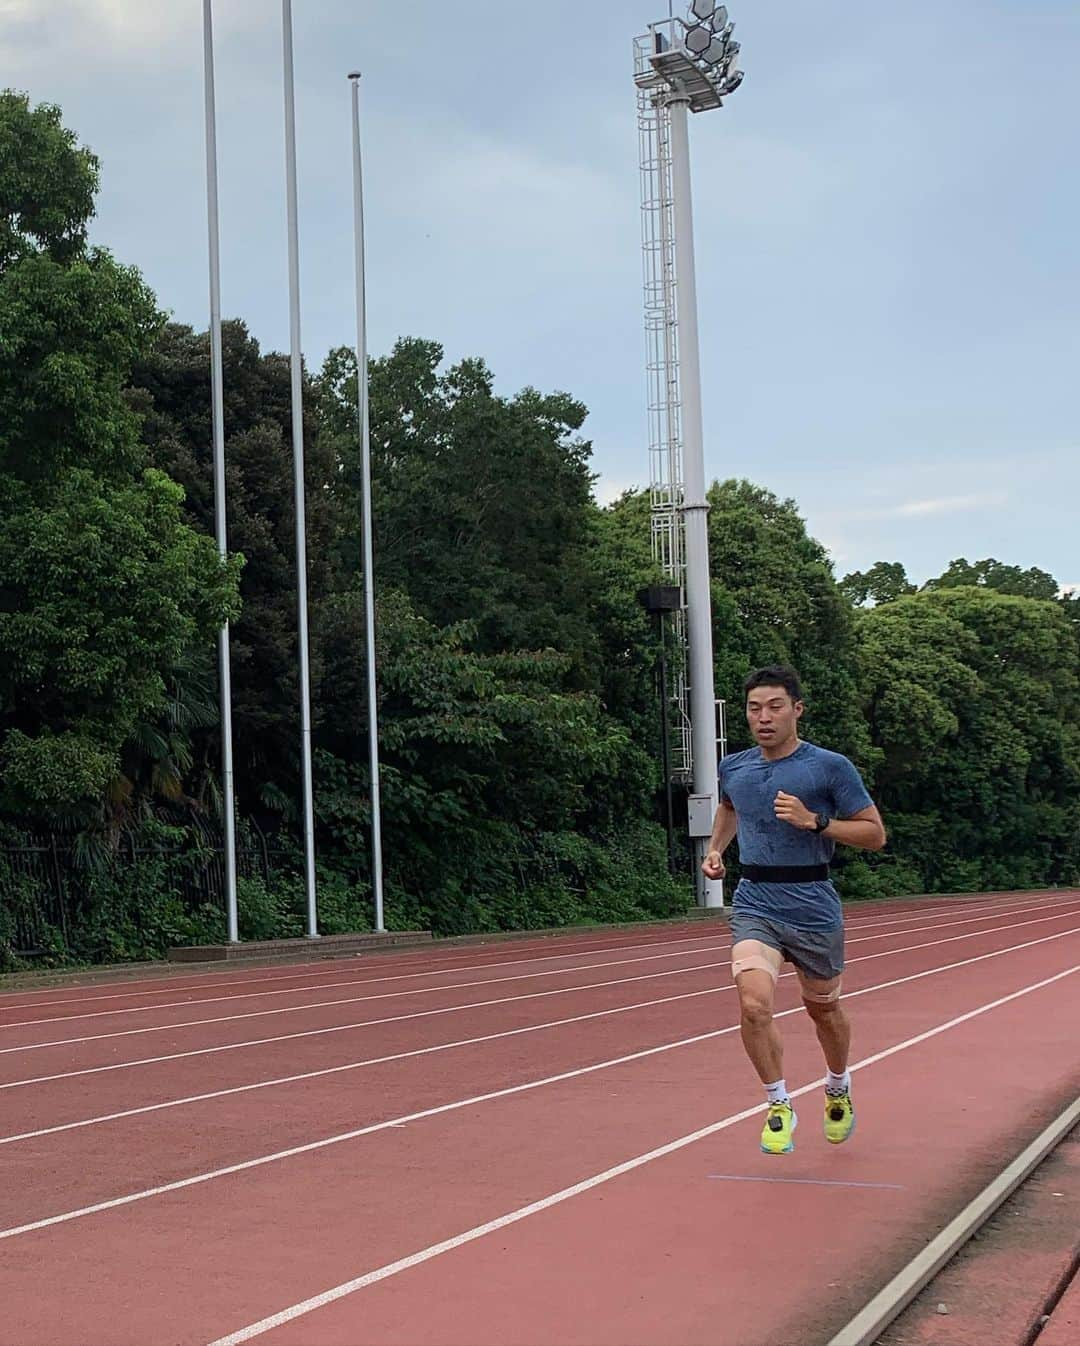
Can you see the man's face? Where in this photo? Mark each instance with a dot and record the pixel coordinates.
(772, 715)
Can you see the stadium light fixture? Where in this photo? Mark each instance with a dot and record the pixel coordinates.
(698, 40)
(731, 51)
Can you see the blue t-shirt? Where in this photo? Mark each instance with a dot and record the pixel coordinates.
(826, 782)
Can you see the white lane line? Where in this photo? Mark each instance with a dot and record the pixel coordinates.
(407, 1055)
(699, 946)
(397, 1018)
(482, 1004)
(416, 1259)
(466, 985)
(334, 967)
(927, 911)
(415, 991)
(358, 1065)
(566, 946)
(352, 1000)
(311, 1147)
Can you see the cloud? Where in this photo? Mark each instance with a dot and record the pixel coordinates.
(119, 28)
(125, 19)
(949, 504)
(517, 206)
(932, 507)
(837, 549)
(131, 21)
(608, 489)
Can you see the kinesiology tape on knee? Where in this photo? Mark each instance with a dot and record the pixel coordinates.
(823, 997)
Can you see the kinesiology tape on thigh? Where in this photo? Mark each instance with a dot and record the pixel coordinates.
(755, 957)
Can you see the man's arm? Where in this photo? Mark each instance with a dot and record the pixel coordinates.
(725, 826)
(863, 830)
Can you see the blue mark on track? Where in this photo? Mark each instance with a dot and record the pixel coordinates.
(810, 1182)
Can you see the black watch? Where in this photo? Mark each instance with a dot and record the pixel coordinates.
(821, 822)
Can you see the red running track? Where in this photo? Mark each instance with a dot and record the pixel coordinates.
(516, 1143)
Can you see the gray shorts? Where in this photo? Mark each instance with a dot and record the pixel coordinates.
(816, 953)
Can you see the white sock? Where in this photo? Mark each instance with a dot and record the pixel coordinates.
(777, 1092)
(838, 1084)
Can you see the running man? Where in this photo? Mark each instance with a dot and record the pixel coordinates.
(789, 802)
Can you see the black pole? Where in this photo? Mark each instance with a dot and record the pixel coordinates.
(665, 749)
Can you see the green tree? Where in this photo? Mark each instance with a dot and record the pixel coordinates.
(884, 582)
(629, 646)
(172, 392)
(103, 588)
(973, 701)
(488, 548)
(47, 183)
(499, 808)
(996, 575)
(501, 596)
(776, 599)
(482, 503)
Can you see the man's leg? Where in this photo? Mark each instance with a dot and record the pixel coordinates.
(755, 967)
(760, 1036)
(822, 1001)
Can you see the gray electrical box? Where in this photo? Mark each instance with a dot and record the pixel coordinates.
(702, 810)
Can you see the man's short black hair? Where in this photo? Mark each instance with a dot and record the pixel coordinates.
(774, 675)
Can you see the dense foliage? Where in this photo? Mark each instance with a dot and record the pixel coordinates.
(516, 667)
(105, 591)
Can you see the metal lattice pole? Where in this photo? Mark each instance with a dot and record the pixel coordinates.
(664, 408)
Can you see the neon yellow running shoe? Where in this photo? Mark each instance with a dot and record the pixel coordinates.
(839, 1118)
(776, 1137)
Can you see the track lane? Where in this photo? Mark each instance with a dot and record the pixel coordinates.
(36, 1102)
(158, 1152)
(429, 1177)
(22, 1038)
(400, 966)
(47, 1064)
(669, 1229)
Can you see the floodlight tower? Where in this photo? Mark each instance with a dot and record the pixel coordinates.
(682, 66)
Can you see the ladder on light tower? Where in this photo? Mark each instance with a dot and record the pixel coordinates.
(666, 488)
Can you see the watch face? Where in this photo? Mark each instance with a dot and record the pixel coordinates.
(823, 820)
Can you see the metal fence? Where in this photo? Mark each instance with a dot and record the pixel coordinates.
(46, 880)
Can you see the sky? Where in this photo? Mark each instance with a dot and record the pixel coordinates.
(886, 214)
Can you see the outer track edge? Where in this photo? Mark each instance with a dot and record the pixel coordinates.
(869, 1323)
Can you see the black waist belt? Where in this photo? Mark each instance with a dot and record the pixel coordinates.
(785, 873)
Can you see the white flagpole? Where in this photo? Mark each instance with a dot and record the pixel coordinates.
(369, 550)
(298, 470)
(218, 420)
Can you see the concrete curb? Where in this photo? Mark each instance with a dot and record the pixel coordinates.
(869, 1323)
